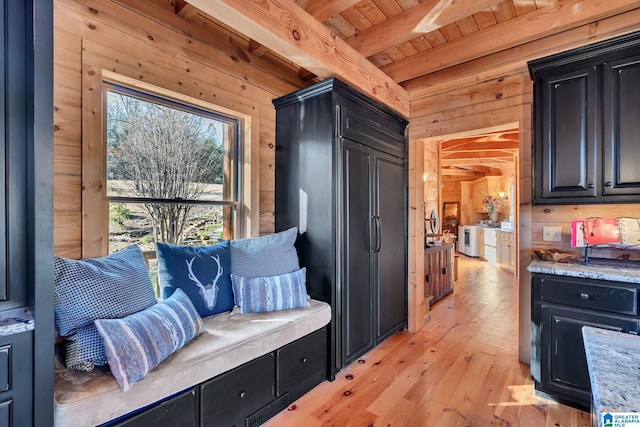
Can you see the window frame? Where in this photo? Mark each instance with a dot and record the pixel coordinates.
(232, 196)
(94, 202)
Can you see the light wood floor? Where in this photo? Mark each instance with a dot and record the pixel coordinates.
(461, 369)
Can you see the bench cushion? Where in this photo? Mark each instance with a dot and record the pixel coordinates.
(228, 341)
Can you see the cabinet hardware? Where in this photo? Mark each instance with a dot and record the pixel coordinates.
(590, 186)
(584, 295)
(242, 394)
(444, 270)
(303, 360)
(608, 184)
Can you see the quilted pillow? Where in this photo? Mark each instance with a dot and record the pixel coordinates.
(139, 342)
(95, 288)
(270, 255)
(202, 272)
(258, 294)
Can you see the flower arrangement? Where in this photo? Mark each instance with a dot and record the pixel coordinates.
(492, 203)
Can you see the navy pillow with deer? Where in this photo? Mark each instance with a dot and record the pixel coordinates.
(202, 272)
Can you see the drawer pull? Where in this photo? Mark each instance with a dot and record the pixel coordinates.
(584, 295)
(242, 394)
(303, 360)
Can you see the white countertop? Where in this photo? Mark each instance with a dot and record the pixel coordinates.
(600, 270)
(614, 369)
(16, 321)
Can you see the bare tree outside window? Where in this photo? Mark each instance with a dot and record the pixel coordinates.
(166, 155)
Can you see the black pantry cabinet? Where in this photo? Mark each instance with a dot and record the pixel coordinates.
(341, 178)
(560, 307)
(26, 209)
(586, 110)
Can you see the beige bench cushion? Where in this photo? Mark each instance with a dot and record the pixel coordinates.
(228, 341)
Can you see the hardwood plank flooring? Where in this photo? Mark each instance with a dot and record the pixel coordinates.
(461, 369)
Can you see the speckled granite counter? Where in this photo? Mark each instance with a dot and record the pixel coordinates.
(16, 321)
(614, 370)
(601, 270)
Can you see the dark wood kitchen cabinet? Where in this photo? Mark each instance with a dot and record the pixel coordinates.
(586, 109)
(561, 306)
(341, 178)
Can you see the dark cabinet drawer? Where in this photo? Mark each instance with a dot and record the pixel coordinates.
(229, 398)
(178, 411)
(302, 364)
(616, 298)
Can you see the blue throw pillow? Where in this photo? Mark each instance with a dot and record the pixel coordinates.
(202, 272)
(85, 290)
(258, 294)
(270, 255)
(137, 343)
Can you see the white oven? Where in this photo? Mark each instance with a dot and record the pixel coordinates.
(470, 239)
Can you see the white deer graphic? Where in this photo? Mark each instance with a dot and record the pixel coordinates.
(208, 292)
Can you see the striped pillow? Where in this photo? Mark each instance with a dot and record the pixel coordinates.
(137, 343)
(258, 294)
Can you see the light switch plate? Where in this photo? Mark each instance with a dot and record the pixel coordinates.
(552, 234)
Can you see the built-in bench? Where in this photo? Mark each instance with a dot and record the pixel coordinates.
(241, 368)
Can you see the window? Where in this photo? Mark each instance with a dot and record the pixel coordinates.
(172, 171)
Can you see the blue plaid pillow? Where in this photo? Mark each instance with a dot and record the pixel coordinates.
(137, 343)
(258, 294)
(202, 272)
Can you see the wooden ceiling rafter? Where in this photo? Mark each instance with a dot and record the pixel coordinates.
(296, 36)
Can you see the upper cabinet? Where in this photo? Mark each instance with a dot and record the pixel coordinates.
(586, 109)
(481, 188)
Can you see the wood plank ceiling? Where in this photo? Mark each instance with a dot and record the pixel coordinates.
(404, 40)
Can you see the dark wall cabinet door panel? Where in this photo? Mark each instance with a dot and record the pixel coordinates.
(621, 127)
(17, 377)
(226, 400)
(586, 122)
(567, 135)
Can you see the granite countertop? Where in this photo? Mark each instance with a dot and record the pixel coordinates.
(16, 321)
(614, 369)
(612, 270)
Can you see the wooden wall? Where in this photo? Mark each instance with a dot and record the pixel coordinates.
(492, 93)
(146, 41)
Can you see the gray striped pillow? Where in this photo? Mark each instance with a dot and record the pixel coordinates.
(139, 342)
(271, 293)
(266, 255)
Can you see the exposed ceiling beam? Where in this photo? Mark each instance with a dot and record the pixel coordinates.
(534, 25)
(185, 10)
(469, 146)
(487, 162)
(403, 26)
(325, 9)
(295, 35)
(466, 155)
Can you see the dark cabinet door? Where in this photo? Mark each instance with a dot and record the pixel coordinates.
(358, 247)
(621, 150)
(566, 135)
(564, 371)
(390, 244)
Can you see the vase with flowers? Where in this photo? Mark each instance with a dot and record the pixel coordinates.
(492, 205)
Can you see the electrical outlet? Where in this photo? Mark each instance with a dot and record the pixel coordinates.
(552, 234)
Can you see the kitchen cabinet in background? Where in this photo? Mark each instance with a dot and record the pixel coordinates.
(586, 110)
(507, 252)
(481, 188)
